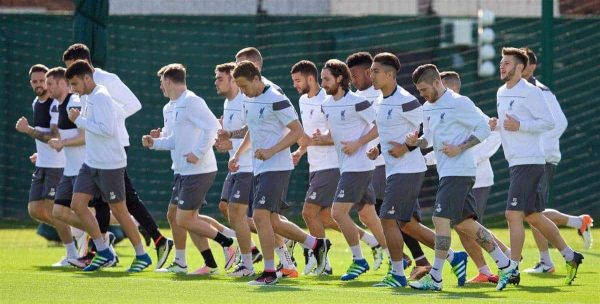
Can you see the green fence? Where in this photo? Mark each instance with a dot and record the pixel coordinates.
(139, 45)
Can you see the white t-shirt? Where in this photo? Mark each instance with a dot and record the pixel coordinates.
(233, 119)
(267, 117)
(398, 115)
(319, 157)
(74, 155)
(348, 119)
(371, 94)
(524, 102)
(45, 114)
(452, 119)
(194, 130)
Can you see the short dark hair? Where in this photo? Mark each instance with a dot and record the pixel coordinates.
(531, 55)
(175, 72)
(246, 69)
(359, 59)
(79, 68)
(306, 68)
(425, 73)
(77, 51)
(37, 68)
(388, 59)
(518, 54)
(337, 69)
(226, 68)
(250, 53)
(57, 72)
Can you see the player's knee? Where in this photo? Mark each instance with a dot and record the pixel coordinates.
(337, 214)
(37, 212)
(58, 212)
(512, 216)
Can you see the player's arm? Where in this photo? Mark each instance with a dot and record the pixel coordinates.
(124, 96)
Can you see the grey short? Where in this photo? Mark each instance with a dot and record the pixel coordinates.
(226, 188)
(44, 182)
(401, 200)
(481, 197)
(546, 183)
(355, 187)
(270, 190)
(454, 199)
(64, 191)
(189, 191)
(379, 182)
(525, 190)
(321, 187)
(107, 183)
(240, 187)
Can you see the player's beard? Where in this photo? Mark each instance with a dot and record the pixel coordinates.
(333, 89)
(509, 76)
(40, 91)
(304, 90)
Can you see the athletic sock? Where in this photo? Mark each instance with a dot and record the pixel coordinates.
(499, 257)
(398, 268)
(71, 250)
(269, 265)
(436, 270)
(247, 260)
(574, 222)
(567, 253)
(284, 257)
(310, 242)
(369, 239)
(139, 249)
(209, 259)
(545, 258)
(356, 252)
(228, 232)
(223, 240)
(180, 257)
(450, 256)
(485, 269)
(100, 245)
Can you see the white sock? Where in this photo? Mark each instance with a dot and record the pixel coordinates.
(436, 270)
(398, 268)
(545, 258)
(71, 250)
(269, 265)
(228, 232)
(369, 239)
(310, 242)
(499, 257)
(450, 256)
(284, 257)
(327, 265)
(100, 245)
(180, 257)
(356, 252)
(139, 249)
(574, 222)
(485, 269)
(247, 260)
(567, 253)
(76, 232)
(507, 252)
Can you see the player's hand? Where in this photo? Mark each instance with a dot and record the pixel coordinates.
(511, 123)
(155, 133)
(73, 114)
(450, 150)
(493, 122)
(350, 147)
(191, 158)
(56, 144)
(33, 158)
(233, 165)
(398, 149)
(304, 141)
(22, 125)
(318, 137)
(223, 145)
(373, 153)
(223, 134)
(147, 141)
(412, 138)
(297, 155)
(263, 154)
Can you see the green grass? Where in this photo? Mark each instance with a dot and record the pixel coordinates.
(25, 276)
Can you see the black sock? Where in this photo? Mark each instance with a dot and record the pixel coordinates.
(223, 240)
(209, 259)
(413, 245)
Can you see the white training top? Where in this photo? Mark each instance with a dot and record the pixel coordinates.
(319, 157)
(267, 117)
(74, 155)
(551, 139)
(348, 119)
(167, 129)
(100, 119)
(194, 130)
(452, 119)
(233, 119)
(122, 95)
(524, 102)
(399, 114)
(45, 114)
(371, 94)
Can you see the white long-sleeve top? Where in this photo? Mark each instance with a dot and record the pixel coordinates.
(122, 95)
(233, 119)
(551, 139)
(100, 120)
(167, 129)
(194, 131)
(452, 119)
(372, 94)
(526, 103)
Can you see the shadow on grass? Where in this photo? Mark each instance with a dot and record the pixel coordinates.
(57, 269)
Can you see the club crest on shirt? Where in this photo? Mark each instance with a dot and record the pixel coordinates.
(389, 113)
(510, 104)
(343, 115)
(261, 112)
(230, 116)
(327, 116)
(312, 111)
(442, 116)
